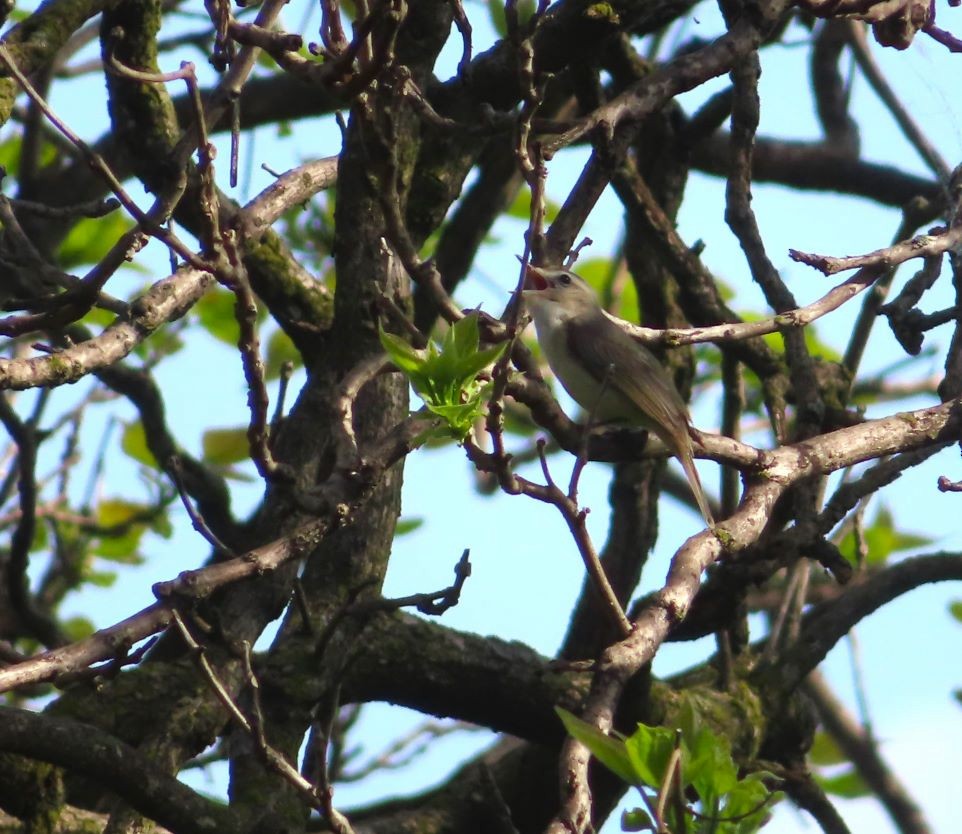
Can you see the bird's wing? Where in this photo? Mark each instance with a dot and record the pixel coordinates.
(605, 350)
(650, 388)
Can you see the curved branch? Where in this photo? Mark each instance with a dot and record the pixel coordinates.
(166, 301)
(815, 166)
(423, 665)
(832, 620)
(117, 766)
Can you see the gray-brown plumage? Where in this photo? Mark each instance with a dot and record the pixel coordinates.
(604, 370)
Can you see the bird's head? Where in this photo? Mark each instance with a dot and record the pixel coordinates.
(545, 286)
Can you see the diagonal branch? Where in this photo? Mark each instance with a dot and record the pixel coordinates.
(863, 752)
(831, 621)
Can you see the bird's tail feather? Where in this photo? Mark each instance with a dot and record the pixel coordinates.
(688, 464)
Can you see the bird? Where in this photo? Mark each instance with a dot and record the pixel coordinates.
(609, 374)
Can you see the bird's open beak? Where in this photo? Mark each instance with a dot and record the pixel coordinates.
(534, 279)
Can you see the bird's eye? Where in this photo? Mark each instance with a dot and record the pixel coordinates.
(564, 279)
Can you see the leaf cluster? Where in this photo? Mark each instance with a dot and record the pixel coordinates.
(670, 767)
(447, 377)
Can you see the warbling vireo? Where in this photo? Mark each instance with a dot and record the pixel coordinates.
(603, 369)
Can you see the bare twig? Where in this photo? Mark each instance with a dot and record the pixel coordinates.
(901, 114)
(575, 518)
(173, 468)
(270, 756)
(938, 242)
(348, 455)
(432, 603)
(97, 162)
(16, 581)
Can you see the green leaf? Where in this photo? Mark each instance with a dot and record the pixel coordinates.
(459, 361)
(91, 238)
(77, 628)
(748, 797)
(112, 512)
(101, 579)
(710, 769)
(446, 377)
(650, 749)
(215, 312)
(225, 446)
(407, 525)
(164, 341)
(134, 444)
(689, 722)
(825, 751)
(99, 318)
(10, 149)
(520, 209)
(459, 418)
(955, 609)
(636, 819)
(121, 548)
(161, 525)
(472, 365)
(606, 749)
(496, 11)
(41, 538)
(407, 358)
(882, 539)
(280, 349)
(848, 784)
(463, 337)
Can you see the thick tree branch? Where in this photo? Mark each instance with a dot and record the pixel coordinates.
(118, 767)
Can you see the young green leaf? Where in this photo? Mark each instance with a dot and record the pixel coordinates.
(408, 359)
(710, 769)
(446, 378)
(748, 807)
(636, 819)
(134, 443)
(649, 750)
(608, 750)
(225, 446)
(215, 312)
(882, 539)
(848, 784)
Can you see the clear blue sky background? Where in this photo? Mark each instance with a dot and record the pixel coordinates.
(526, 573)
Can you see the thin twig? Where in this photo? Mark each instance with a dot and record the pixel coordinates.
(940, 241)
(98, 164)
(575, 517)
(174, 469)
(348, 455)
(901, 114)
